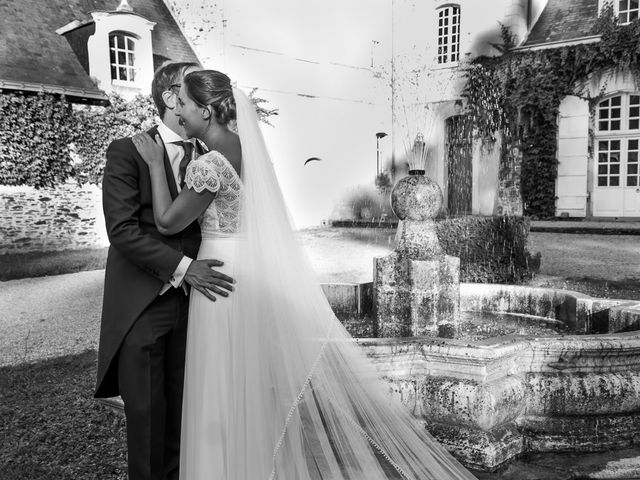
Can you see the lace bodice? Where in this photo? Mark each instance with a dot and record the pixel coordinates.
(213, 172)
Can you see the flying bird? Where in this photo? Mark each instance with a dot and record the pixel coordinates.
(312, 159)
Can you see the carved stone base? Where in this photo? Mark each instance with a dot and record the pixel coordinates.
(416, 297)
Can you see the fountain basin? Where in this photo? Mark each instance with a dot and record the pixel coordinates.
(491, 400)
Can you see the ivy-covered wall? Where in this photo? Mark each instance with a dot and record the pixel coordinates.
(518, 94)
(35, 136)
(52, 156)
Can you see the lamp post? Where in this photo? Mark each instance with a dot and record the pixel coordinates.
(379, 135)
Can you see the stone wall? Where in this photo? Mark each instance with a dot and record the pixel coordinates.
(68, 217)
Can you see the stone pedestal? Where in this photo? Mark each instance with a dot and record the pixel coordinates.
(418, 240)
(416, 289)
(416, 297)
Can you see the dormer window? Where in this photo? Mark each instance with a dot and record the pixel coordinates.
(448, 34)
(627, 11)
(120, 51)
(122, 56)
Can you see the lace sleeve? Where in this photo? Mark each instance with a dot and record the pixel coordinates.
(201, 174)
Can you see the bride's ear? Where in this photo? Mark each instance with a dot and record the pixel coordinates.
(206, 112)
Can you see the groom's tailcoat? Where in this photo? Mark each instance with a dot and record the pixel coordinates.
(140, 259)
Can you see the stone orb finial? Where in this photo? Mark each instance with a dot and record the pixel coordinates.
(124, 7)
(416, 197)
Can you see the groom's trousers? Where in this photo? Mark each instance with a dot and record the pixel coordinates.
(151, 379)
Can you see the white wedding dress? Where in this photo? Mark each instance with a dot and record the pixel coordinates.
(275, 388)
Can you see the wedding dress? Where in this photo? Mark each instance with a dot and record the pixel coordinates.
(275, 387)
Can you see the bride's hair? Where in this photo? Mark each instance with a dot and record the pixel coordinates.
(210, 87)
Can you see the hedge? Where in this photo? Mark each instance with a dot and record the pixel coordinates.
(491, 249)
(35, 136)
(44, 139)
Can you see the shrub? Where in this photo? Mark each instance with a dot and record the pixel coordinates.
(97, 127)
(35, 133)
(491, 249)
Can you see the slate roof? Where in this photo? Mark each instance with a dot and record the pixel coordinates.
(34, 56)
(563, 20)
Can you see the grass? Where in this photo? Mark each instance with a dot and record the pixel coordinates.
(39, 264)
(52, 428)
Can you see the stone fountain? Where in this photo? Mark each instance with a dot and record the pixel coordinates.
(490, 400)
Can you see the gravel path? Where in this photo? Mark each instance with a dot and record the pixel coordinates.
(51, 316)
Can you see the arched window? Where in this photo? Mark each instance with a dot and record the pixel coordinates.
(448, 34)
(122, 56)
(618, 141)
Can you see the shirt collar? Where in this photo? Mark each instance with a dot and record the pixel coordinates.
(169, 136)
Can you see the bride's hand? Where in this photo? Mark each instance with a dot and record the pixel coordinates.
(151, 151)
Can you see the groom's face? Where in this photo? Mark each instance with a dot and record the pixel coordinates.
(172, 118)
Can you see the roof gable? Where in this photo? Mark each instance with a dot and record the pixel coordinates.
(563, 20)
(32, 52)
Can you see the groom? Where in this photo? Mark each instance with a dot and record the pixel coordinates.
(145, 306)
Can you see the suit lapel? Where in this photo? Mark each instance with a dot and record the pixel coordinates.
(168, 170)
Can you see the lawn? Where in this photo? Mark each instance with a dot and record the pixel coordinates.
(38, 264)
(52, 428)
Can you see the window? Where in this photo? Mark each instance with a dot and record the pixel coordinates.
(609, 163)
(618, 141)
(122, 56)
(627, 11)
(449, 34)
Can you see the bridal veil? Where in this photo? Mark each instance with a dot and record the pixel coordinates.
(304, 401)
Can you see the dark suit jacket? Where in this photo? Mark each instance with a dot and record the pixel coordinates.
(140, 259)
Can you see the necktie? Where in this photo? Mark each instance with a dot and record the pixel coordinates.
(184, 161)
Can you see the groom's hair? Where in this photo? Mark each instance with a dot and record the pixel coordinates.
(167, 76)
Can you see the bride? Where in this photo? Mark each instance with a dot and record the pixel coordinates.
(275, 388)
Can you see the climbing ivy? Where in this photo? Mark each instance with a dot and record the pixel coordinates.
(35, 132)
(518, 93)
(45, 140)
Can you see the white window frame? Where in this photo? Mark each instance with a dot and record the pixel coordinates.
(629, 12)
(448, 34)
(130, 56)
(629, 111)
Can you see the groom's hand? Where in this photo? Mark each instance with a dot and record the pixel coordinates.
(201, 276)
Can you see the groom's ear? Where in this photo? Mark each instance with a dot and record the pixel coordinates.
(169, 99)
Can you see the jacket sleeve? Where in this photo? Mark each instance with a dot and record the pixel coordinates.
(121, 205)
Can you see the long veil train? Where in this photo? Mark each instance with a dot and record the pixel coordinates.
(304, 401)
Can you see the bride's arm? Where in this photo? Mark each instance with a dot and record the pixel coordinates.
(170, 216)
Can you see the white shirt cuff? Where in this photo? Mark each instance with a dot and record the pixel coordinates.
(178, 275)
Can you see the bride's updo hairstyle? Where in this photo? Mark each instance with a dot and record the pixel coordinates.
(212, 88)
